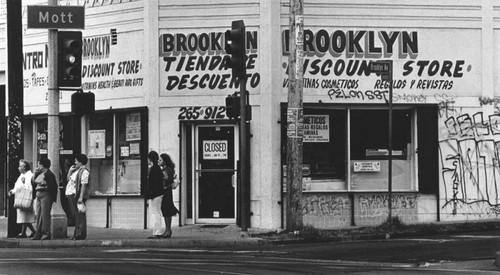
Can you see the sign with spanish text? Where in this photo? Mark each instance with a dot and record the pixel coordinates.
(194, 62)
(316, 128)
(343, 65)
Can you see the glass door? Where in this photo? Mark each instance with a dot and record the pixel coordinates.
(215, 170)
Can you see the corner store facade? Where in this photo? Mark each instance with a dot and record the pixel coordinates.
(155, 68)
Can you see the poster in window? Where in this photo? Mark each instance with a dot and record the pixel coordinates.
(124, 151)
(316, 128)
(97, 148)
(133, 126)
(134, 149)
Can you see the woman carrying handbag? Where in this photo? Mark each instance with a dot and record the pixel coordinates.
(25, 216)
(168, 208)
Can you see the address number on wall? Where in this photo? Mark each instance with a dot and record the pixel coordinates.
(200, 113)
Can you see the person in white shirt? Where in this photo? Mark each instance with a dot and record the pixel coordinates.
(77, 192)
(24, 217)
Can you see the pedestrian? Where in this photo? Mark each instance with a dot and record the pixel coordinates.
(25, 217)
(63, 182)
(155, 194)
(45, 186)
(168, 208)
(78, 192)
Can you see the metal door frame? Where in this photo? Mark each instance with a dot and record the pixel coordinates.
(196, 171)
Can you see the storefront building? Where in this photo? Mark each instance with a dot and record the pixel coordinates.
(156, 68)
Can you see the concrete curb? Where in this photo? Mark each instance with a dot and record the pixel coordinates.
(163, 243)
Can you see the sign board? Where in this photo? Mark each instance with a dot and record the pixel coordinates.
(316, 128)
(383, 67)
(215, 149)
(56, 17)
(367, 166)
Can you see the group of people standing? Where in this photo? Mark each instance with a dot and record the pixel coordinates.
(43, 184)
(161, 181)
(44, 187)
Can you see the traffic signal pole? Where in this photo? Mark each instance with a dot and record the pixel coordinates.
(58, 217)
(235, 46)
(16, 105)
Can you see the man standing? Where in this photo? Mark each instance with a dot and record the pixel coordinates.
(77, 192)
(45, 184)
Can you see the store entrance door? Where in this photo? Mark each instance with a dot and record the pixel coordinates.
(215, 170)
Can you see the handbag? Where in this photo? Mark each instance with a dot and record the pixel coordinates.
(23, 199)
(176, 182)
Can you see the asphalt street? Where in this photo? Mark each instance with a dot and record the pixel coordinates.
(453, 254)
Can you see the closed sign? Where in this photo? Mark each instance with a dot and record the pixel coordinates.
(215, 149)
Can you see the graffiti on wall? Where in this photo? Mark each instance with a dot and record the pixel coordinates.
(325, 205)
(469, 156)
(372, 206)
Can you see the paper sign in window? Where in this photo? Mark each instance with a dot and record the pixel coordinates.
(215, 149)
(316, 128)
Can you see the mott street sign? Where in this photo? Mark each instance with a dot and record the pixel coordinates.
(56, 17)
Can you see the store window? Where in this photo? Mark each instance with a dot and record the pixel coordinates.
(115, 142)
(324, 151)
(346, 149)
(370, 152)
(100, 154)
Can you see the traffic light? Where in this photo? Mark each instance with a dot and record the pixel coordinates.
(82, 103)
(69, 59)
(235, 46)
(233, 106)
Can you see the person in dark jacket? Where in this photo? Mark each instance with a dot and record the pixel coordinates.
(168, 208)
(155, 194)
(45, 186)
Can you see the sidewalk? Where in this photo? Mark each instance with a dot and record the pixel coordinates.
(187, 236)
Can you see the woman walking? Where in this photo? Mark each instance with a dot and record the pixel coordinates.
(168, 208)
(24, 217)
(155, 194)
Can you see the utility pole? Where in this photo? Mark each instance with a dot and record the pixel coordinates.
(385, 69)
(389, 142)
(16, 104)
(59, 221)
(295, 117)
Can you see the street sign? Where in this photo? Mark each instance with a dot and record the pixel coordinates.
(383, 68)
(56, 17)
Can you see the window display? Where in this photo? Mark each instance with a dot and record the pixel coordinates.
(114, 148)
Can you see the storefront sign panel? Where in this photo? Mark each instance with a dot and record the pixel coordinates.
(193, 62)
(429, 64)
(112, 65)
